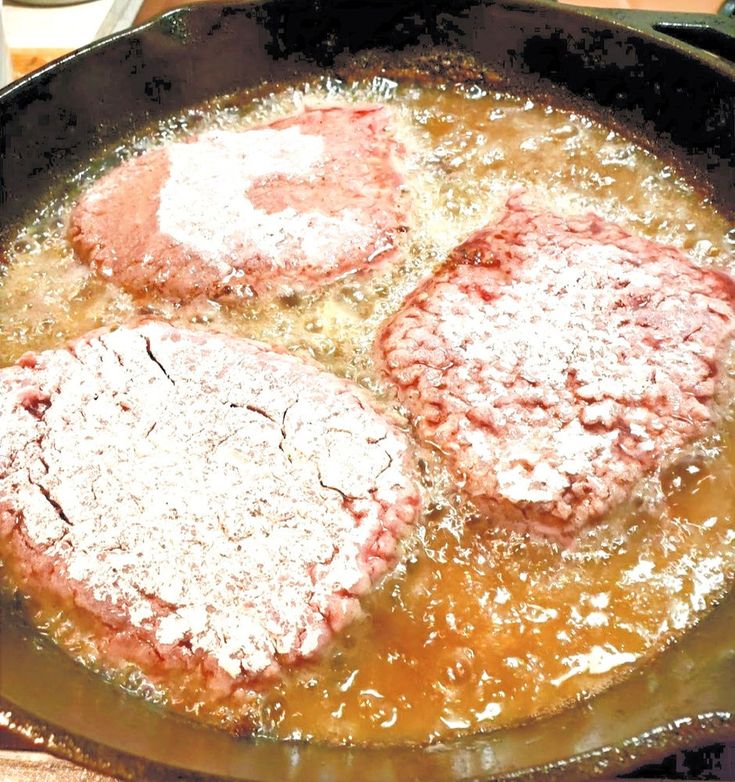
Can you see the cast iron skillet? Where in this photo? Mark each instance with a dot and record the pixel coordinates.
(648, 70)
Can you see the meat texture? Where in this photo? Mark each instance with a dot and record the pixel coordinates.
(290, 205)
(206, 502)
(555, 362)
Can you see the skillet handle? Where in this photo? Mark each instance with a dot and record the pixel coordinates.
(714, 33)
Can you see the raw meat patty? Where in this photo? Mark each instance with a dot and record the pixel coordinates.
(555, 362)
(209, 502)
(293, 204)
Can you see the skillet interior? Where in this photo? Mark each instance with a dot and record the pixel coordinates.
(89, 100)
(683, 697)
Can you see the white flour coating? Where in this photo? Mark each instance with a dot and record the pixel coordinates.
(204, 204)
(516, 335)
(227, 499)
(558, 362)
(288, 207)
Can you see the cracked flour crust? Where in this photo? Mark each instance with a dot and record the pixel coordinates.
(293, 204)
(555, 362)
(210, 501)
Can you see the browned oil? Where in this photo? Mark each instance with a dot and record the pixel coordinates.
(478, 627)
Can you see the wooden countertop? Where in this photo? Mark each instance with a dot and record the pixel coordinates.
(19, 760)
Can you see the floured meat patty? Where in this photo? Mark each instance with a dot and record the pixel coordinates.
(294, 204)
(555, 362)
(208, 503)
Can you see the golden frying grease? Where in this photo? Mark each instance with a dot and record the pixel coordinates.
(478, 627)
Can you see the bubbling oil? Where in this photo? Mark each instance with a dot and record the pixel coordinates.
(478, 627)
